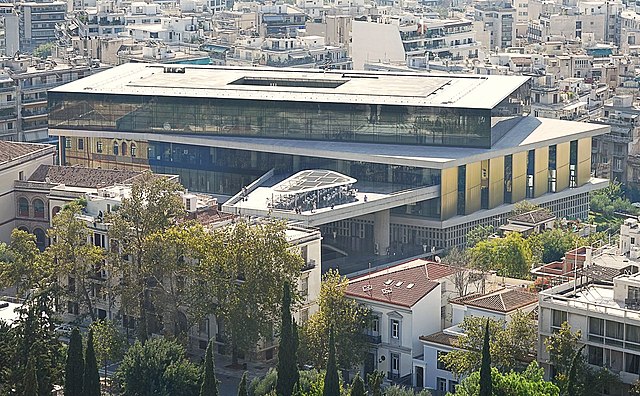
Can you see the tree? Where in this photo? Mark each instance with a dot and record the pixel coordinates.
(357, 386)
(331, 379)
(287, 353)
(31, 379)
(75, 365)
(478, 234)
(571, 386)
(374, 381)
(74, 256)
(563, 347)
(108, 342)
(511, 344)
(348, 320)
(153, 206)
(463, 276)
(157, 368)
(528, 383)
(551, 245)
(525, 207)
(91, 379)
(510, 256)
(239, 260)
(21, 264)
(485, 367)
(44, 50)
(242, 388)
(37, 344)
(209, 385)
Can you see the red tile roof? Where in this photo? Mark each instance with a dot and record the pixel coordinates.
(503, 300)
(403, 285)
(440, 338)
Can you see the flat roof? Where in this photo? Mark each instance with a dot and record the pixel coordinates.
(277, 84)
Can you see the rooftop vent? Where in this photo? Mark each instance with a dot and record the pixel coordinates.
(388, 282)
(410, 285)
(399, 284)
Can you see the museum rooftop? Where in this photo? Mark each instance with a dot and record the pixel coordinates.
(270, 84)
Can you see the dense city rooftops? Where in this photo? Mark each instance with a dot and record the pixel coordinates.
(472, 91)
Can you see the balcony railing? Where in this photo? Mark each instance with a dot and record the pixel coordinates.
(373, 339)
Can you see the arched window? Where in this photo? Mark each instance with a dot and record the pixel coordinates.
(38, 208)
(23, 207)
(124, 148)
(23, 228)
(55, 211)
(116, 146)
(133, 150)
(41, 238)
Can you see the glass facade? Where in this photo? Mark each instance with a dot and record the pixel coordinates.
(226, 171)
(395, 124)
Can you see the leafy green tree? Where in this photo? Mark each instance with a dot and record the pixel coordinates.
(108, 341)
(242, 388)
(525, 207)
(510, 256)
(74, 256)
(7, 352)
(331, 379)
(74, 366)
(511, 344)
(571, 386)
(36, 340)
(44, 50)
(563, 346)
(237, 261)
(374, 381)
(22, 265)
(551, 245)
(357, 386)
(91, 378)
(485, 366)
(528, 383)
(153, 206)
(157, 368)
(209, 385)
(478, 234)
(348, 320)
(287, 353)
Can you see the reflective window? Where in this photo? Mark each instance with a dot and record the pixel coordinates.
(373, 123)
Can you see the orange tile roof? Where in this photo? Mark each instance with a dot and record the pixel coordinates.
(403, 285)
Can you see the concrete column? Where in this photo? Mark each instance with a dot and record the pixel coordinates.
(254, 159)
(381, 230)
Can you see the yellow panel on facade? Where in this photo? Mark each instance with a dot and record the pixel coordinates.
(519, 170)
(562, 166)
(448, 193)
(472, 201)
(584, 161)
(541, 169)
(496, 182)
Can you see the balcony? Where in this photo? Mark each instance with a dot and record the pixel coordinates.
(373, 339)
(309, 265)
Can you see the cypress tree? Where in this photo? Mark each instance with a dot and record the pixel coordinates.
(287, 368)
(31, 378)
(242, 388)
(91, 379)
(331, 380)
(357, 386)
(209, 385)
(74, 367)
(571, 383)
(485, 368)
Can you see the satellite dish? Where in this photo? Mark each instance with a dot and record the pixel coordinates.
(437, 259)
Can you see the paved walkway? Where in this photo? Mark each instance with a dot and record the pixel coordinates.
(230, 377)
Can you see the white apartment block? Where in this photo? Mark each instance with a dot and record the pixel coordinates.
(606, 311)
